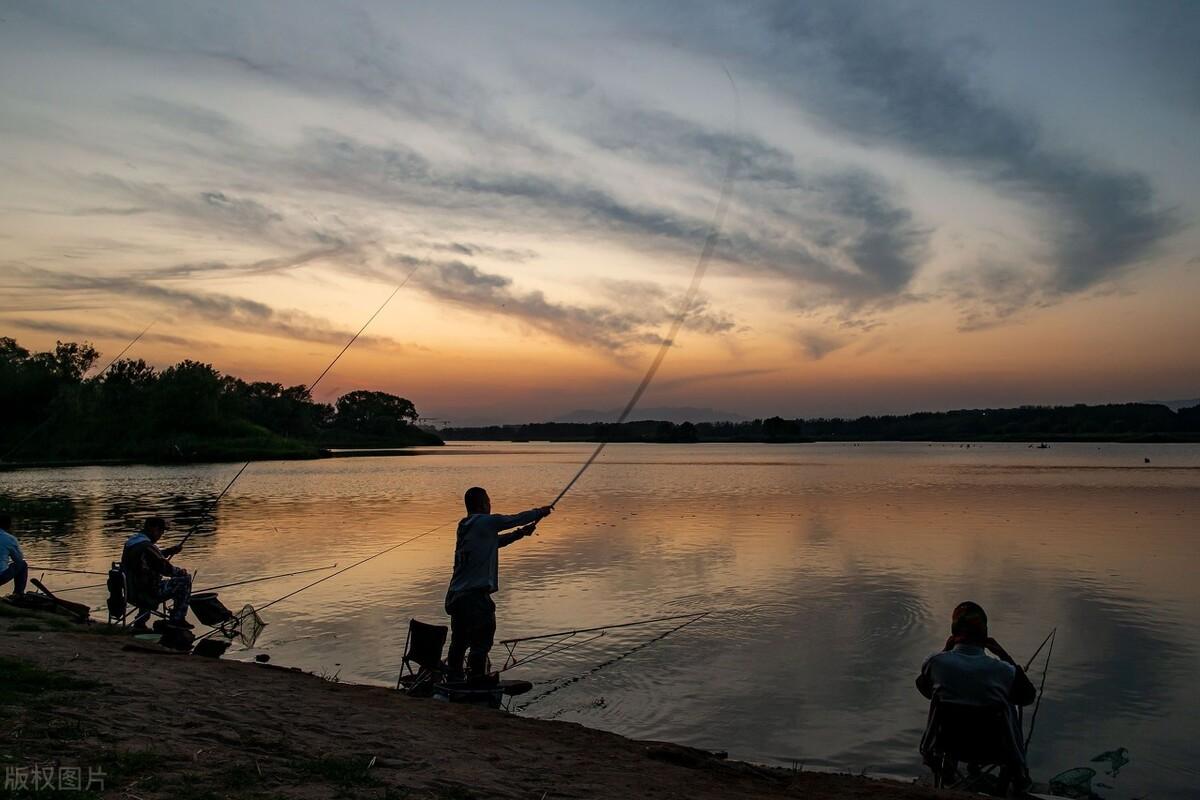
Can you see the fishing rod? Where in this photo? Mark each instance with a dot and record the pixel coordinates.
(1033, 657)
(208, 511)
(710, 244)
(692, 618)
(311, 387)
(52, 415)
(267, 578)
(671, 618)
(210, 588)
(72, 571)
(560, 637)
(1041, 689)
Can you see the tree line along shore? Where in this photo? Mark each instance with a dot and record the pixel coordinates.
(129, 411)
(186, 412)
(1126, 422)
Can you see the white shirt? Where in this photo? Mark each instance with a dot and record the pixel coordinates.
(10, 551)
(968, 675)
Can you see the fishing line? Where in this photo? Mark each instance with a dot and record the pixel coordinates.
(267, 578)
(339, 572)
(47, 420)
(710, 244)
(311, 387)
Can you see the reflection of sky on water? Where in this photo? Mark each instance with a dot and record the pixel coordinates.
(830, 570)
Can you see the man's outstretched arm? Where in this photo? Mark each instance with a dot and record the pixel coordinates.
(505, 539)
(505, 521)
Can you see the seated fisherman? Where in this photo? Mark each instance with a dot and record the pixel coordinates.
(476, 578)
(964, 674)
(151, 578)
(12, 562)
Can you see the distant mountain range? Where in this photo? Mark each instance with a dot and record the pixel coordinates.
(676, 414)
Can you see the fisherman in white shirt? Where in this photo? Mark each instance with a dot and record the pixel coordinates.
(12, 562)
(477, 576)
(964, 674)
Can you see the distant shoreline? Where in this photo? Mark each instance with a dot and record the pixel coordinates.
(1152, 439)
(1140, 423)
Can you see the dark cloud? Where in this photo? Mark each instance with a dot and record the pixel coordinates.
(841, 230)
(841, 236)
(891, 88)
(207, 209)
(470, 249)
(262, 266)
(816, 344)
(612, 328)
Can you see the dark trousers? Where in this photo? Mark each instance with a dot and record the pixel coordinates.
(473, 627)
(18, 573)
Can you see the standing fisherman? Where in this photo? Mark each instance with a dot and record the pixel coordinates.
(476, 578)
(12, 562)
(152, 579)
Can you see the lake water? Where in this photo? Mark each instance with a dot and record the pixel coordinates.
(830, 571)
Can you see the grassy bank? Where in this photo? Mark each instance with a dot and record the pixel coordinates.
(188, 728)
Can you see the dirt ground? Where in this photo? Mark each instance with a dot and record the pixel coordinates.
(178, 726)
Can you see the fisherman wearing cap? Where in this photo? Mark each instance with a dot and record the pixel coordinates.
(476, 579)
(964, 674)
(152, 579)
(12, 562)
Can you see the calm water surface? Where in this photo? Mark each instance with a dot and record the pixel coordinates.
(830, 571)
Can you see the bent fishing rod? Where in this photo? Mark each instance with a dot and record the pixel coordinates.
(212, 505)
(710, 245)
(97, 376)
(706, 253)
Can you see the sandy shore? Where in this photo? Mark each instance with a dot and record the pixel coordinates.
(179, 726)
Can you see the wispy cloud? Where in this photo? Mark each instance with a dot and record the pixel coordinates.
(223, 310)
(870, 75)
(610, 327)
(65, 328)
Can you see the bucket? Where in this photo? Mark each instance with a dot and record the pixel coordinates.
(209, 610)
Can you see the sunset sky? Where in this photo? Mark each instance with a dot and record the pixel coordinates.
(934, 206)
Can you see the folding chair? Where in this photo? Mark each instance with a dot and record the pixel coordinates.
(120, 598)
(982, 737)
(423, 648)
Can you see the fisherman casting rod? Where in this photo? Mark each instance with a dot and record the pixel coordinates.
(710, 244)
